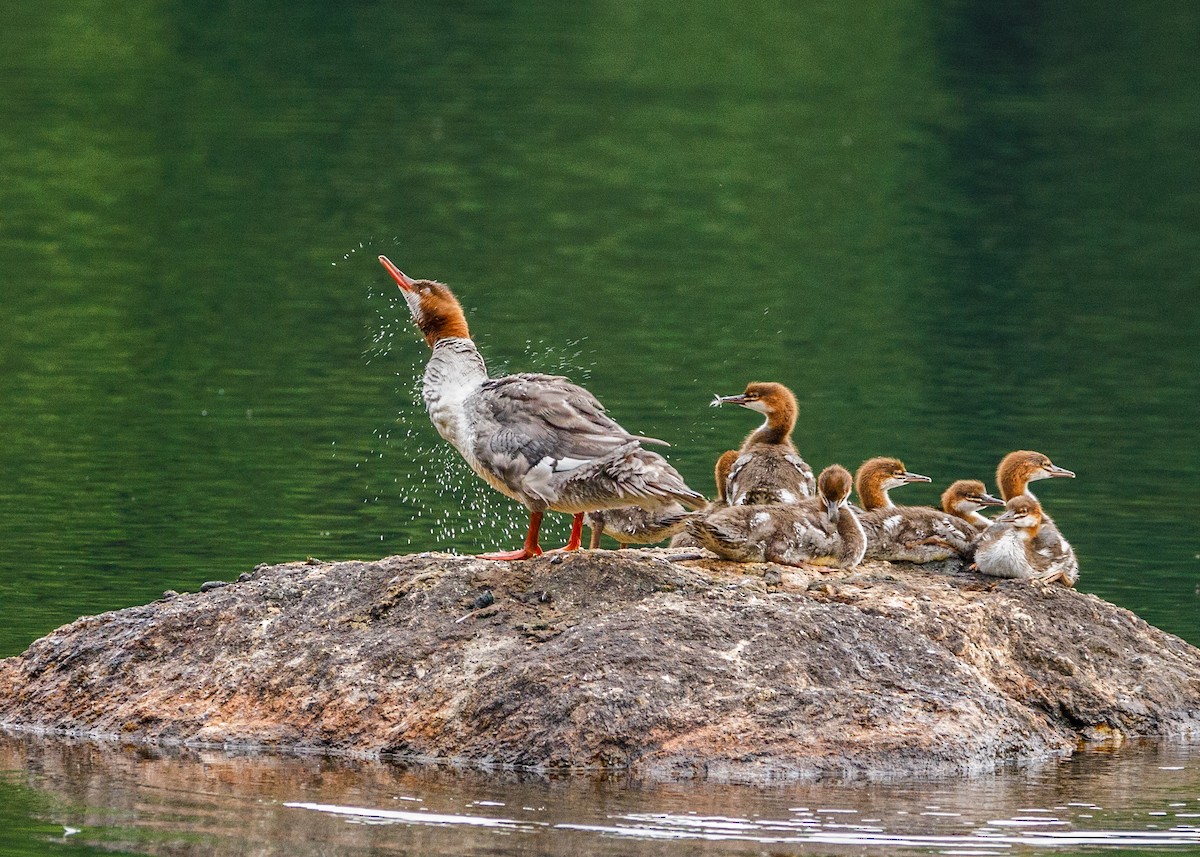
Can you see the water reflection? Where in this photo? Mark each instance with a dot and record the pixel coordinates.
(150, 801)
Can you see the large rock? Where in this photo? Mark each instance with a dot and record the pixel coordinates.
(633, 659)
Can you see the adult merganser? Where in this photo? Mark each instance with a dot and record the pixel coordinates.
(1013, 475)
(538, 439)
(820, 531)
(965, 498)
(921, 533)
(1008, 548)
(768, 468)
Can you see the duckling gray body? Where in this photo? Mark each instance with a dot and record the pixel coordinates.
(633, 525)
(821, 531)
(923, 534)
(916, 534)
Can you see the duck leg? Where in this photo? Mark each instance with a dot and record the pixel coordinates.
(531, 547)
(576, 539)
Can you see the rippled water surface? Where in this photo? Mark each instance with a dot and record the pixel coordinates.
(954, 228)
(210, 803)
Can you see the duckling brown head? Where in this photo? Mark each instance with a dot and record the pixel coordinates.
(967, 496)
(1024, 513)
(775, 401)
(1018, 469)
(833, 487)
(721, 473)
(435, 310)
(877, 476)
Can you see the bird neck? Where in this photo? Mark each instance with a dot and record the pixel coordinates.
(873, 495)
(1028, 534)
(455, 370)
(777, 429)
(853, 538)
(1012, 482)
(445, 322)
(973, 517)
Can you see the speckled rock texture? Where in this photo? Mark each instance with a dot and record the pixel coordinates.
(638, 659)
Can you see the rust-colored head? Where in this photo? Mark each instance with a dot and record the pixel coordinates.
(1018, 469)
(766, 397)
(721, 472)
(774, 400)
(435, 310)
(876, 476)
(833, 487)
(966, 496)
(1024, 513)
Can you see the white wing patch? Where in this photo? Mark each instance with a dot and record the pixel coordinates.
(537, 480)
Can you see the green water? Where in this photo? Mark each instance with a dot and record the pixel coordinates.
(955, 229)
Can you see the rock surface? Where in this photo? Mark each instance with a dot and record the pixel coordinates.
(632, 659)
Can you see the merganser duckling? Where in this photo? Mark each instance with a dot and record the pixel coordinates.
(633, 525)
(921, 533)
(1013, 475)
(1008, 548)
(820, 531)
(905, 533)
(965, 498)
(538, 439)
(768, 468)
(721, 471)
(1018, 469)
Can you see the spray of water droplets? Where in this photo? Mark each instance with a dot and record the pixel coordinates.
(439, 503)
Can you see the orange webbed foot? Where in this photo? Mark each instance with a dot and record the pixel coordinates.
(501, 556)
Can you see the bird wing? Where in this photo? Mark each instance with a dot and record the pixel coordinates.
(534, 417)
(1056, 554)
